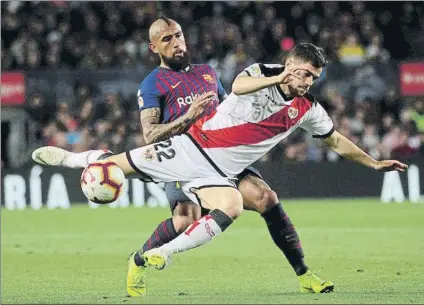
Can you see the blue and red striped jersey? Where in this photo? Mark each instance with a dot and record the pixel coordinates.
(174, 91)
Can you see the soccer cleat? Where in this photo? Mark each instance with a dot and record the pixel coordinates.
(157, 257)
(50, 155)
(136, 278)
(310, 283)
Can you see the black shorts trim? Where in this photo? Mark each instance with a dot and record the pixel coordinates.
(144, 176)
(248, 73)
(206, 186)
(324, 135)
(212, 185)
(250, 170)
(206, 156)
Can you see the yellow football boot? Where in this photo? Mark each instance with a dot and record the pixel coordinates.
(136, 278)
(310, 283)
(157, 257)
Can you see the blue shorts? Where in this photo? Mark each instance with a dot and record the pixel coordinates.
(175, 194)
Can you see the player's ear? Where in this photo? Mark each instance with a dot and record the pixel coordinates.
(153, 48)
(289, 62)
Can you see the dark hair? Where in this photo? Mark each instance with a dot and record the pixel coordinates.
(164, 18)
(309, 53)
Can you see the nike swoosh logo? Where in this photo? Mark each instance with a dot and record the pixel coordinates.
(37, 155)
(176, 85)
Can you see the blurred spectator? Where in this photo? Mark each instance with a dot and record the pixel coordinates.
(351, 52)
(368, 84)
(371, 141)
(417, 115)
(376, 51)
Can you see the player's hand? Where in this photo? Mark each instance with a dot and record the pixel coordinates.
(390, 165)
(290, 72)
(199, 104)
(286, 76)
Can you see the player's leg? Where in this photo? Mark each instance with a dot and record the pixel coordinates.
(166, 231)
(225, 203)
(259, 197)
(184, 213)
(144, 162)
(55, 156)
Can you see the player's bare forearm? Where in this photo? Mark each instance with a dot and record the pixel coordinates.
(155, 132)
(247, 84)
(344, 147)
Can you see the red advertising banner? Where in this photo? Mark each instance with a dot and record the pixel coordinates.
(411, 78)
(12, 89)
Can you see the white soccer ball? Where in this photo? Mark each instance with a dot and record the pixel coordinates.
(101, 182)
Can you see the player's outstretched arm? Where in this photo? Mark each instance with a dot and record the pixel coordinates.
(244, 84)
(344, 147)
(248, 84)
(153, 131)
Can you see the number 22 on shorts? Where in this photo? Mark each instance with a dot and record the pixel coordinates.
(163, 151)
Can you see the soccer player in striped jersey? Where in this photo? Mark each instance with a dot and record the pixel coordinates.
(268, 104)
(170, 99)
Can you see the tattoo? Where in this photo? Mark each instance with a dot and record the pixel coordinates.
(153, 131)
(256, 182)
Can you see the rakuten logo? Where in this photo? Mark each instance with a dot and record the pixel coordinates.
(12, 88)
(410, 78)
(187, 100)
(8, 90)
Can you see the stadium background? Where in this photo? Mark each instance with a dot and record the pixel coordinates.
(70, 73)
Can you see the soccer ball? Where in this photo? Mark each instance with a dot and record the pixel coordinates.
(101, 182)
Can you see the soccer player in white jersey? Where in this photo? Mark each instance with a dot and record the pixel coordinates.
(268, 103)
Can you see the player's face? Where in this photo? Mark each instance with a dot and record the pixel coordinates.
(171, 47)
(298, 87)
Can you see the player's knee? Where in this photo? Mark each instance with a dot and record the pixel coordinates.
(267, 201)
(226, 199)
(181, 223)
(234, 211)
(233, 208)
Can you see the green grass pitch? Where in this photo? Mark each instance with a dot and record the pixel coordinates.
(373, 252)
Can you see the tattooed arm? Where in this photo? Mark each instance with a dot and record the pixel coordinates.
(153, 131)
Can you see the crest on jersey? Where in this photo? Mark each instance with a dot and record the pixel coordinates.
(140, 99)
(149, 155)
(256, 70)
(292, 112)
(208, 78)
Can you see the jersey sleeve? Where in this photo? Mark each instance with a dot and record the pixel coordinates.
(148, 96)
(252, 70)
(319, 123)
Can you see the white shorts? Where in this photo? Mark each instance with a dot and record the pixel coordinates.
(178, 160)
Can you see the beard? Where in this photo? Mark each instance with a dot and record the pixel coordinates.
(296, 92)
(176, 63)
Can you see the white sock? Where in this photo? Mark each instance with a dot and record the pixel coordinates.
(197, 234)
(81, 160)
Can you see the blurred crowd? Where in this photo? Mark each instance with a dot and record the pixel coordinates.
(229, 36)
